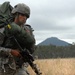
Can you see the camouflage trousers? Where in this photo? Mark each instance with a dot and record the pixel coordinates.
(19, 71)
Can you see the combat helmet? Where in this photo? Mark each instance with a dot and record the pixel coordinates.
(21, 8)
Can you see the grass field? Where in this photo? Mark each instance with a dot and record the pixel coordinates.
(55, 66)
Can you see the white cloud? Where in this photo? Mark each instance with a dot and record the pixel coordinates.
(51, 18)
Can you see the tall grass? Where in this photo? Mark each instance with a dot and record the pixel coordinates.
(55, 66)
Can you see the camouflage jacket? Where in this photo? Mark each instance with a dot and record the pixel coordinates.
(6, 59)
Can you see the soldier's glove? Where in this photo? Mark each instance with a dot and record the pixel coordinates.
(15, 53)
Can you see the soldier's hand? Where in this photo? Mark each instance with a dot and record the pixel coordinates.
(15, 53)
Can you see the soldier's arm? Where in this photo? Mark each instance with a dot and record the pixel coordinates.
(9, 51)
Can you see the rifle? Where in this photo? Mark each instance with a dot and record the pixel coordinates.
(27, 57)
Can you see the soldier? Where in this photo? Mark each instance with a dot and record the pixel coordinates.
(21, 13)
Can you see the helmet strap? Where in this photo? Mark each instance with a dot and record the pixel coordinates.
(17, 18)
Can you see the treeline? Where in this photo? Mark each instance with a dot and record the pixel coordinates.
(52, 51)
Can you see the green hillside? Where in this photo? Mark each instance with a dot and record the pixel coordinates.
(52, 51)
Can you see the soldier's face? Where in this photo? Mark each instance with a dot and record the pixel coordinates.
(22, 19)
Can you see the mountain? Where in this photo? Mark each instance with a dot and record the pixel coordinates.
(54, 41)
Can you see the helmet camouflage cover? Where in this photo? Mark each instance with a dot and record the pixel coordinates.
(21, 8)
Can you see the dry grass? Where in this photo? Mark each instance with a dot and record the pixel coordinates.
(56, 66)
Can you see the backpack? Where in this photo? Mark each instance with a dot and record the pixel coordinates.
(5, 14)
(5, 18)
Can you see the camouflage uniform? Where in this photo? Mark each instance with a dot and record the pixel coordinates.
(8, 65)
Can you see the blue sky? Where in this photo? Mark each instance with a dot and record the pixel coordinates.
(51, 18)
